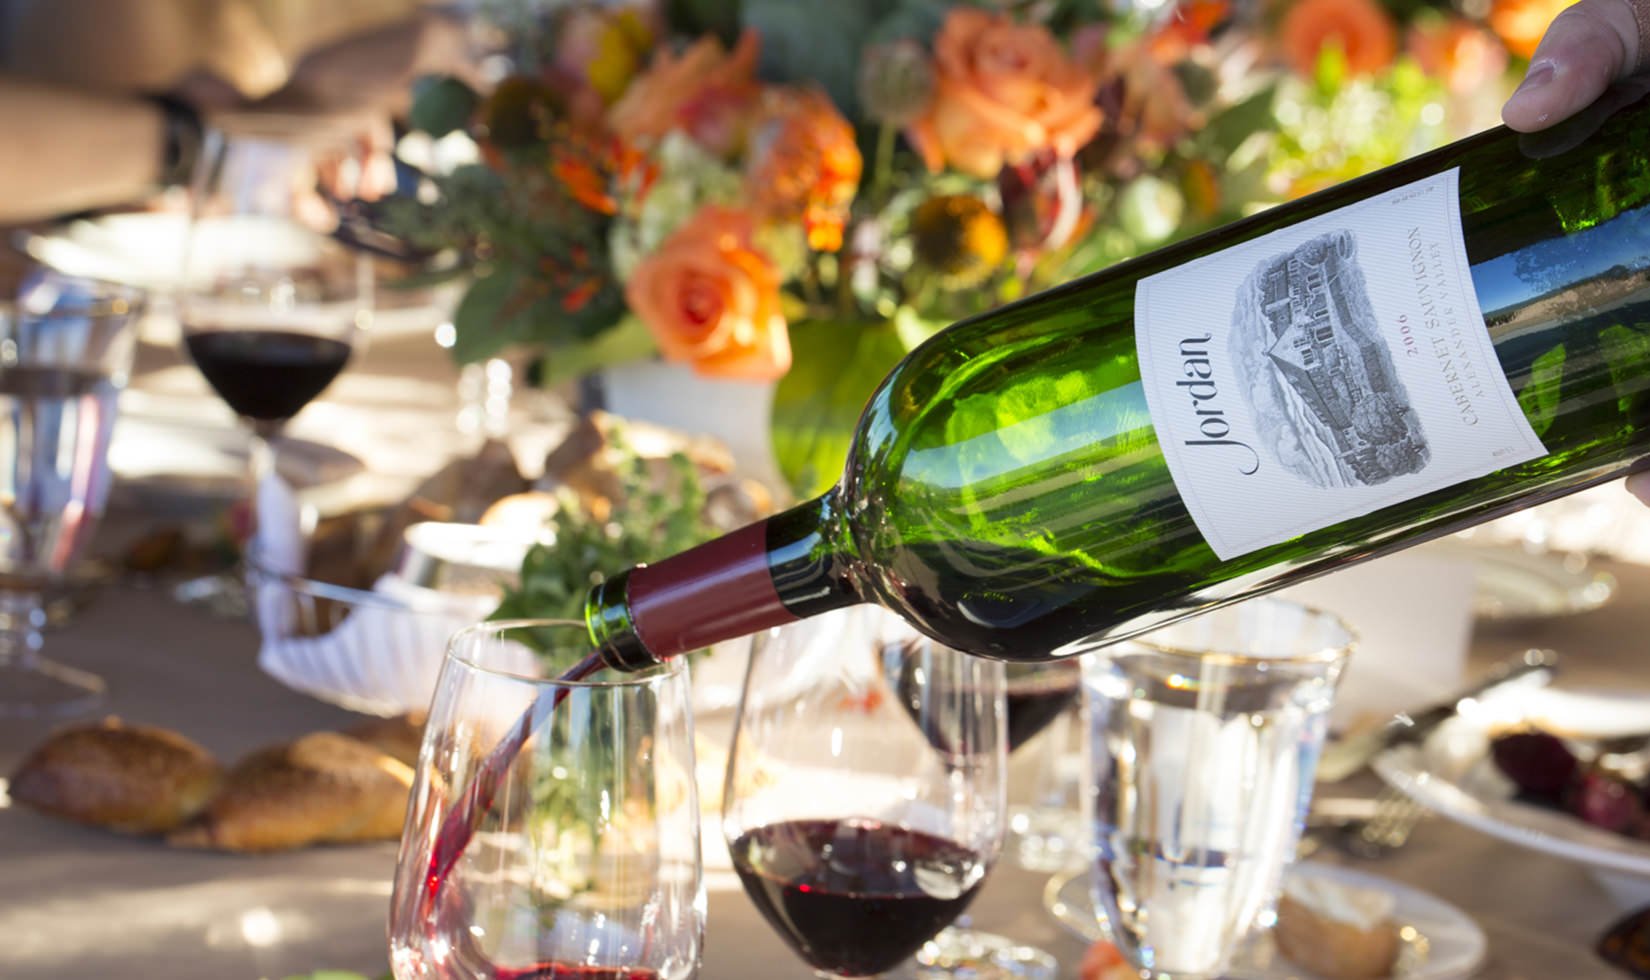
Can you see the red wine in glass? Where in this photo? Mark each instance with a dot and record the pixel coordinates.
(266, 375)
(855, 897)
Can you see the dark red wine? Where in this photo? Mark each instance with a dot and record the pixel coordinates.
(266, 375)
(1036, 695)
(855, 897)
(469, 809)
(557, 971)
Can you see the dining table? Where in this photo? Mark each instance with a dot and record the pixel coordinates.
(78, 903)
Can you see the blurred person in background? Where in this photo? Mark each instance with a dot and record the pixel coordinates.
(104, 101)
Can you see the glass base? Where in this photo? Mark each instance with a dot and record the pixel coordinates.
(957, 952)
(43, 689)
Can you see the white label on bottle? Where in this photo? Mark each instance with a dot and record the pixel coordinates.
(1326, 370)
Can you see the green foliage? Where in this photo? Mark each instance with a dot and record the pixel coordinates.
(818, 402)
(441, 105)
(655, 515)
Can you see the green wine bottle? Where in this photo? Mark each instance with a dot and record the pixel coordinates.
(1387, 361)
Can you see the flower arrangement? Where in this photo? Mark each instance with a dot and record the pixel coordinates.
(771, 191)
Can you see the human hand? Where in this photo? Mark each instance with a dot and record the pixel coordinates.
(1590, 47)
(1587, 48)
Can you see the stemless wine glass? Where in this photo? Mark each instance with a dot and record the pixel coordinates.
(861, 827)
(1204, 737)
(271, 302)
(64, 356)
(553, 828)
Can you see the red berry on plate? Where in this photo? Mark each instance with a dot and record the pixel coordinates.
(1606, 801)
(1538, 763)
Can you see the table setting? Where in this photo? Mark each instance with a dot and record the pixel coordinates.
(309, 486)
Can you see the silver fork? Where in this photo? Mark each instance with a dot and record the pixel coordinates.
(1385, 830)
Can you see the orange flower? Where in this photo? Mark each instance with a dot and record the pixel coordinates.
(1520, 23)
(711, 299)
(1002, 91)
(1102, 961)
(706, 91)
(804, 165)
(1460, 54)
(1362, 29)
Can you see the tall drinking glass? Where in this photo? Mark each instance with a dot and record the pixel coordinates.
(64, 356)
(1204, 737)
(553, 827)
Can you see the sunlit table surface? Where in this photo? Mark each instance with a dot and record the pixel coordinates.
(78, 904)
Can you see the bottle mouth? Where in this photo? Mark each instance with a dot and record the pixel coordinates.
(612, 629)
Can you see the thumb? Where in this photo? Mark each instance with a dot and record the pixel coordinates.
(1587, 47)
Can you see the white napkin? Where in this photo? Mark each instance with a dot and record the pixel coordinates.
(383, 658)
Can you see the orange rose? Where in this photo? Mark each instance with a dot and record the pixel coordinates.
(1460, 54)
(804, 165)
(1520, 23)
(1002, 91)
(705, 91)
(1362, 29)
(711, 299)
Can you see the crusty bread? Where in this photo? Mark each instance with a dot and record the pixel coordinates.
(131, 778)
(1336, 932)
(398, 737)
(324, 788)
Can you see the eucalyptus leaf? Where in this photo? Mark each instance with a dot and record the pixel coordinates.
(816, 405)
(814, 42)
(914, 20)
(628, 340)
(441, 104)
(477, 319)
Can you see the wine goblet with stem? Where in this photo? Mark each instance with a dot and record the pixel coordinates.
(64, 356)
(271, 303)
(1035, 695)
(861, 828)
(1204, 739)
(553, 827)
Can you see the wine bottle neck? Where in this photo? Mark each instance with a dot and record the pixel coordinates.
(766, 574)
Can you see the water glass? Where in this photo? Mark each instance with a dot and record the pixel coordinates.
(553, 826)
(65, 350)
(1203, 739)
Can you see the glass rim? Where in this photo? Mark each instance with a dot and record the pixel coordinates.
(667, 670)
(1323, 655)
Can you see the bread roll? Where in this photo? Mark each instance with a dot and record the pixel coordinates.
(130, 778)
(1335, 931)
(399, 737)
(324, 788)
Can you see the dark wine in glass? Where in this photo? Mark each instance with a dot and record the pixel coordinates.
(855, 897)
(266, 375)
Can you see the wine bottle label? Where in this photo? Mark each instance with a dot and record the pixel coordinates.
(1326, 370)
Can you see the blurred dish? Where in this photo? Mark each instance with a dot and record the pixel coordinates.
(1440, 942)
(1515, 584)
(1452, 774)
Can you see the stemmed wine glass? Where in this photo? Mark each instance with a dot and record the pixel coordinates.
(271, 301)
(860, 828)
(1035, 694)
(65, 351)
(553, 827)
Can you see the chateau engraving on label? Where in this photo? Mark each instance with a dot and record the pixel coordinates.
(1326, 370)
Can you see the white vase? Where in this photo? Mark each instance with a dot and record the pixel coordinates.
(736, 413)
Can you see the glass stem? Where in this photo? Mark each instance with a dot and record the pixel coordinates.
(22, 617)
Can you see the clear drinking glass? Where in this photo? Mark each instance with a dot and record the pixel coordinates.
(861, 824)
(1204, 737)
(64, 356)
(553, 828)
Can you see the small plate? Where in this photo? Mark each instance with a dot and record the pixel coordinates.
(1440, 941)
(1451, 774)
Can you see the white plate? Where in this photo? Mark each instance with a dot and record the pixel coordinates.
(1440, 942)
(1451, 773)
(1516, 585)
